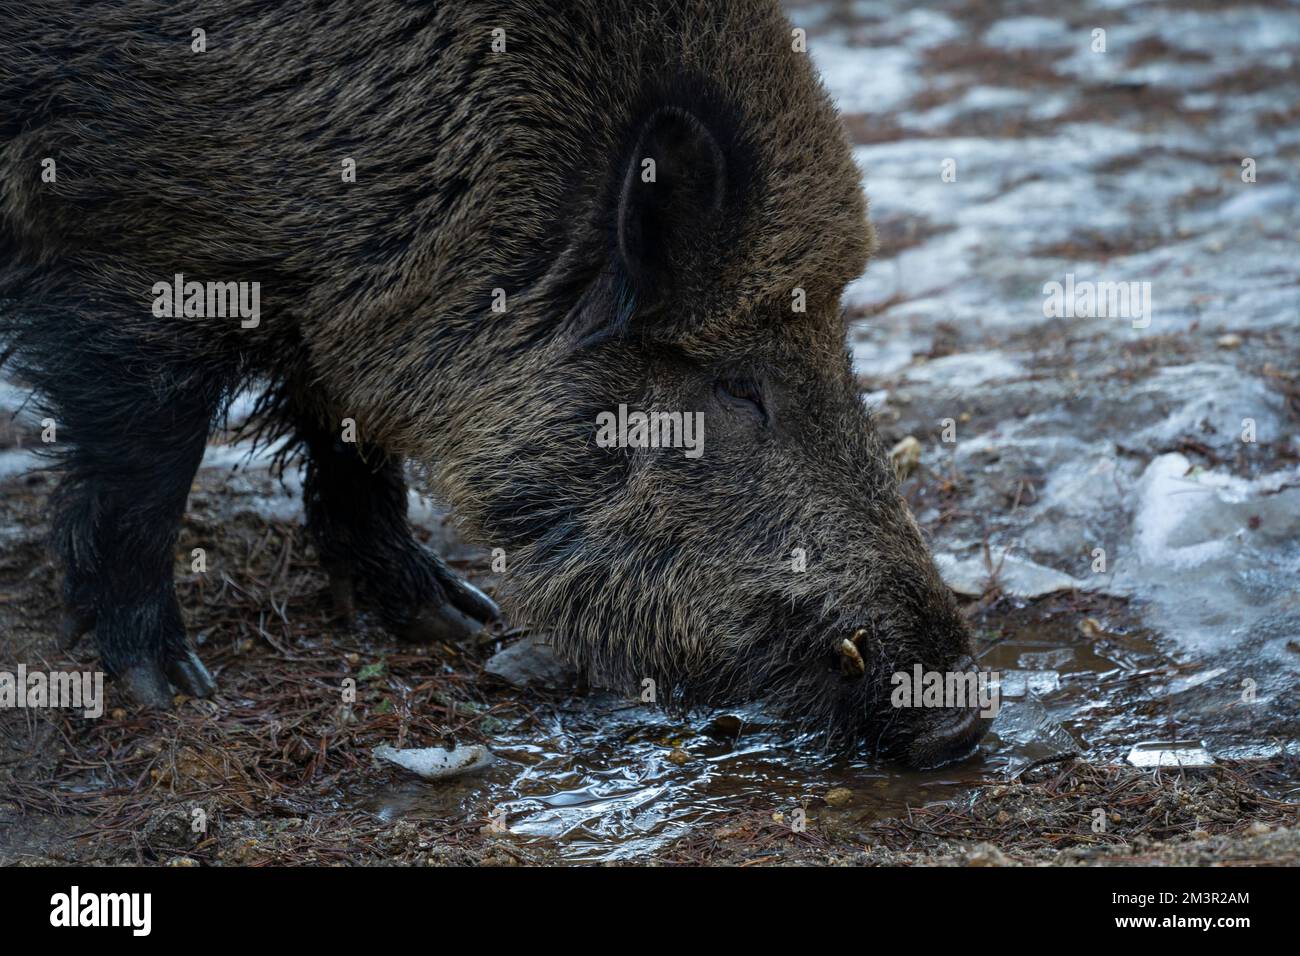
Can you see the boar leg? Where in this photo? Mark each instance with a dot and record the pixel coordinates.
(131, 457)
(355, 497)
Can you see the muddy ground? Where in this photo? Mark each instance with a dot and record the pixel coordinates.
(1071, 435)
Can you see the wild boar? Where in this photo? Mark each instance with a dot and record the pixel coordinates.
(459, 233)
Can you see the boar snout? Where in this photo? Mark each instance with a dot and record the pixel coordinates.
(945, 734)
(950, 734)
(954, 738)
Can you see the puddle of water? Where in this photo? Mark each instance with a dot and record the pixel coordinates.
(606, 780)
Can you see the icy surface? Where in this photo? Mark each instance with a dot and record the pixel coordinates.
(1181, 753)
(1014, 576)
(1155, 463)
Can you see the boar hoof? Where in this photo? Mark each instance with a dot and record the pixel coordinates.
(458, 616)
(470, 600)
(151, 686)
(73, 627)
(439, 622)
(189, 675)
(341, 596)
(455, 611)
(148, 686)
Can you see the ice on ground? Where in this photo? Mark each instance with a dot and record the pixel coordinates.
(1029, 683)
(966, 370)
(867, 80)
(977, 99)
(1254, 203)
(1108, 457)
(1045, 660)
(1032, 33)
(1240, 33)
(248, 477)
(1177, 753)
(1014, 576)
(1211, 402)
(879, 358)
(16, 403)
(1036, 734)
(18, 461)
(1217, 557)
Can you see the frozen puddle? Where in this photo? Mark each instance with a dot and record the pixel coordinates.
(1218, 557)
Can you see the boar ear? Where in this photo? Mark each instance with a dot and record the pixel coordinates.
(671, 197)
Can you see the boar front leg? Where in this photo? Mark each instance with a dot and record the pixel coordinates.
(355, 496)
(132, 453)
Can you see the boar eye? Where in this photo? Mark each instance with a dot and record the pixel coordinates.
(742, 393)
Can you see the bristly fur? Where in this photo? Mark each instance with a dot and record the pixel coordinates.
(476, 171)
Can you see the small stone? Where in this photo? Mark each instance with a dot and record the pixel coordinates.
(1229, 341)
(1003, 817)
(725, 726)
(530, 662)
(1090, 627)
(839, 797)
(678, 756)
(986, 854)
(1258, 828)
(906, 455)
(435, 763)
